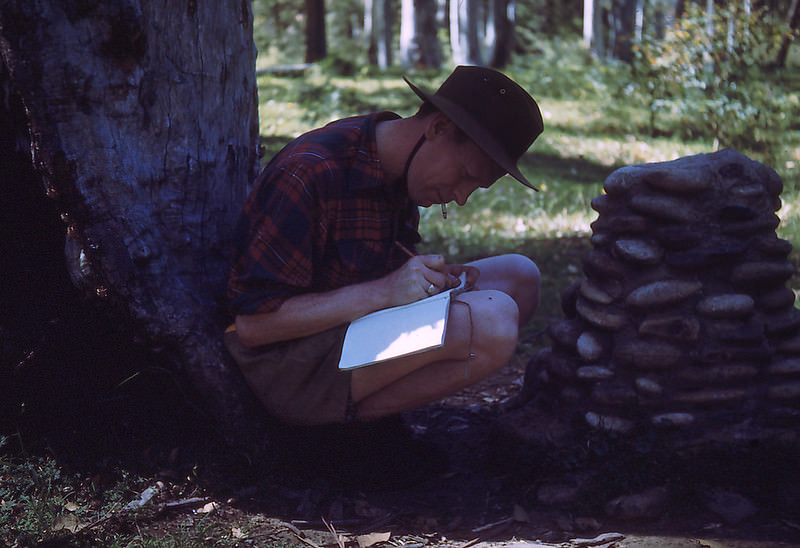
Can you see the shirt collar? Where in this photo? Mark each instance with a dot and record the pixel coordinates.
(368, 155)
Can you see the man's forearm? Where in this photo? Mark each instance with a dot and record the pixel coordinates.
(305, 315)
(312, 313)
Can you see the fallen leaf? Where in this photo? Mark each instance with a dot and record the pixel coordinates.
(66, 522)
(145, 496)
(208, 508)
(372, 538)
(71, 507)
(603, 538)
(236, 532)
(704, 543)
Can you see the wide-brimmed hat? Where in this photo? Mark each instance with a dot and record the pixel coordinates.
(492, 110)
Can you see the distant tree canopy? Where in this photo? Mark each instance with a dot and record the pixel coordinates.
(373, 32)
(612, 28)
(350, 34)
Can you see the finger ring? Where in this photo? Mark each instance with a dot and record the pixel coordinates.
(431, 289)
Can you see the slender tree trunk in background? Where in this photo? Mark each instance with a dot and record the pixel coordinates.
(407, 33)
(465, 32)
(144, 132)
(624, 17)
(383, 17)
(680, 8)
(370, 32)
(378, 28)
(316, 44)
(428, 34)
(385, 44)
(638, 22)
(502, 41)
(601, 30)
(588, 23)
(794, 22)
(458, 32)
(419, 40)
(708, 62)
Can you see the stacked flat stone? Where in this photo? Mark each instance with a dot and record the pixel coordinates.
(684, 321)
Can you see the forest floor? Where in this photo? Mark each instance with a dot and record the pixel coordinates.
(474, 470)
(470, 471)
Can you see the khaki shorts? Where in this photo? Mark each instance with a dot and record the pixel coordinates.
(297, 381)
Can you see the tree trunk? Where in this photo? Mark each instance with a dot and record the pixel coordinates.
(794, 22)
(500, 40)
(316, 44)
(601, 30)
(624, 17)
(378, 28)
(465, 32)
(588, 24)
(144, 132)
(419, 42)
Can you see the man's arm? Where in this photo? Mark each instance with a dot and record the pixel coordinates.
(311, 313)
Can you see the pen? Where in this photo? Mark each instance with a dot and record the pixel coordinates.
(405, 249)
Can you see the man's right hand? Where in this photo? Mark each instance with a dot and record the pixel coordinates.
(420, 277)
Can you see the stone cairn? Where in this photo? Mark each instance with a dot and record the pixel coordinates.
(684, 323)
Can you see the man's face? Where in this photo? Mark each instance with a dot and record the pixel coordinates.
(449, 168)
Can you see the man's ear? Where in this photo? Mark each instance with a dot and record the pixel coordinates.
(438, 125)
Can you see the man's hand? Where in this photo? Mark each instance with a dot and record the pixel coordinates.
(455, 270)
(426, 275)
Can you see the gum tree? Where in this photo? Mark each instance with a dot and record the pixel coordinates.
(137, 121)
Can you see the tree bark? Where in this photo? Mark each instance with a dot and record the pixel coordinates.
(794, 22)
(502, 42)
(588, 24)
(465, 32)
(316, 44)
(143, 129)
(419, 42)
(378, 29)
(624, 18)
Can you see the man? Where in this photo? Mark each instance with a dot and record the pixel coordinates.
(324, 239)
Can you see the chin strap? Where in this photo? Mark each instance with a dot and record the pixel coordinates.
(411, 157)
(402, 186)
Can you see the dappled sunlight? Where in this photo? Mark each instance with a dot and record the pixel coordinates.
(615, 151)
(789, 215)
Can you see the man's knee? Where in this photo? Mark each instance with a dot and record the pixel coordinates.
(495, 325)
(525, 267)
(527, 280)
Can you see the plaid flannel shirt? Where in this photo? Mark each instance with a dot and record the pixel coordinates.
(320, 216)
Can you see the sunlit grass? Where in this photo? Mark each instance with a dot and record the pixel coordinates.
(583, 142)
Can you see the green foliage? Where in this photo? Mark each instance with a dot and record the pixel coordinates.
(40, 504)
(278, 31)
(33, 495)
(560, 68)
(709, 74)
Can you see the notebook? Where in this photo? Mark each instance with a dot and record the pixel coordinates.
(398, 331)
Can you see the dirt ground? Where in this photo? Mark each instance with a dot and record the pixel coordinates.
(472, 471)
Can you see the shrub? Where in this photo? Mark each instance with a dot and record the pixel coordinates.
(711, 71)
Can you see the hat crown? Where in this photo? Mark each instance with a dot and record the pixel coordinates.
(501, 106)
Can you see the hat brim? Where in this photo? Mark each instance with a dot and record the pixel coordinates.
(473, 129)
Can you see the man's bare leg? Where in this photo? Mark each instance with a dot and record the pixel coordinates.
(481, 338)
(514, 275)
